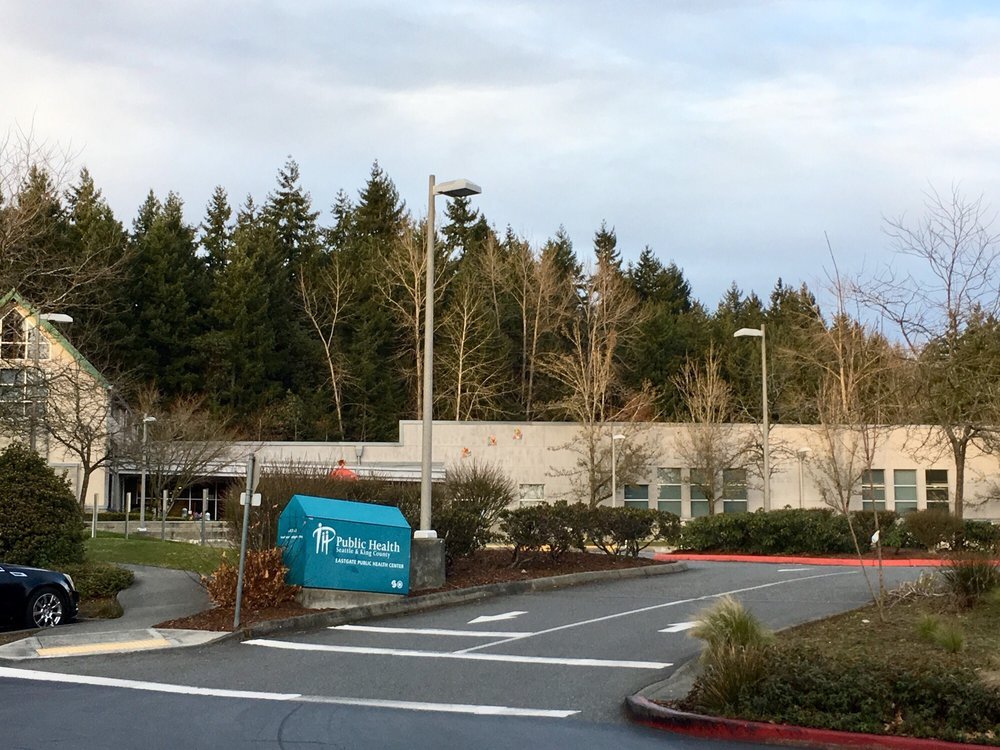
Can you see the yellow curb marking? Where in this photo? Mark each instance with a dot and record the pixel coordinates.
(94, 648)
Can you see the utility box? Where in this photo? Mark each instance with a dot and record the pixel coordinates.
(338, 544)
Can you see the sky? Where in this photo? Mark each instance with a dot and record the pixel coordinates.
(731, 137)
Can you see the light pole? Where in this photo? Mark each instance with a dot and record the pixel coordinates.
(801, 453)
(455, 189)
(36, 356)
(759, 333)
(614, 468)
(146, 419)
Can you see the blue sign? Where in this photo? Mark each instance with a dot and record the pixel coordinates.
(337, 544)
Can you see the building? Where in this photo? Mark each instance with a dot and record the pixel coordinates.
(54, 399)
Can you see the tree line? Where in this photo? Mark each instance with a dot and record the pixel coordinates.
(287, 324)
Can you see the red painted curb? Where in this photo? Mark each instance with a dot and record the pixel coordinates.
(795, 560)
(696, 725)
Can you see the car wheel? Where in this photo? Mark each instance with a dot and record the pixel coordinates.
(46, 609)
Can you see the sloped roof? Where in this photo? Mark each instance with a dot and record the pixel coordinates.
(52, 331)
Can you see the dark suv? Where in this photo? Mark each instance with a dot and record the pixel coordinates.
(36, 598)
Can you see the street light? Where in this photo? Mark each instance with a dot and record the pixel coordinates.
(146, 419)
(801, 453)
(455, 189)
(614, 468)
(52, 318)
(759, 333)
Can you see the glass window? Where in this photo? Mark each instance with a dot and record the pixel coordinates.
(904, 490)
(636, 495)
(15, 393)
(734, 490)
(12, 338)
(668, 493)
(532, 494)
(937, 488)
(697, 479)
(873, 489)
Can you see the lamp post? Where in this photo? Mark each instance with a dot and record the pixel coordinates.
(146, 419)
(759, 333)
(455, 189)
(36, 356)
(801, 453)
(614, 468)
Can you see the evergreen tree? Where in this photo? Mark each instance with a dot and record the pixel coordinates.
(216, 232)
(606, 248)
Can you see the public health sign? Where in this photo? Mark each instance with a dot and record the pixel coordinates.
(337, 544)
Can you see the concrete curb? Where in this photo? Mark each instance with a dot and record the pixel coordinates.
(656, 716)
(798, 560)
(444, 599)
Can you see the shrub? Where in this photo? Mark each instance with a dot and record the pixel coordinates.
(969, 576)
(778, 532)
(734, 658)
(932, 527)
(474, 496)
(981, 536)
(94, 580)
(263, 581)
(629, 530)
(862, 694)
(39, 517)
(553, 529)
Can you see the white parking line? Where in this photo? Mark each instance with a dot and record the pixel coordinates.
(793, 570)
(295, 646)
(160, 687)
(431, 631)
(651, 608)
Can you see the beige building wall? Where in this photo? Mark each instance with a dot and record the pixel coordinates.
(537, 458)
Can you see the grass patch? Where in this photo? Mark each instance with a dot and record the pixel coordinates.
(115, 548)
(101, 608)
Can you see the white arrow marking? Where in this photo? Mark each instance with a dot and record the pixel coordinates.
(494, 618)
(678, 627)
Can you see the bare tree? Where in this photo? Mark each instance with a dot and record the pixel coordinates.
(185, 443)
(945, 312)
(607, 315)
(326, 296)
(32, 176)
(471, 374)
(711, 443)
(544, 302)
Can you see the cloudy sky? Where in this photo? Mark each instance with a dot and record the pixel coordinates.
(728, 136)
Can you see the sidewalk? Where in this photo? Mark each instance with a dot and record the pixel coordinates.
(157, 595)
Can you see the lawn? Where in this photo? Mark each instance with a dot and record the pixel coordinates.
(115, 548)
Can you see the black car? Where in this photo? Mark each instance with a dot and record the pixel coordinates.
(36, 598)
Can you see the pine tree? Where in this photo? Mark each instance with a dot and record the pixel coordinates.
(216, 232)
(606, 248)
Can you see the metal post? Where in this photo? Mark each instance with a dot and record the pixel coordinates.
(204, 508)
(142, 488)
(767, 430)
(163, 518)
(93, 521)
(128, 509)
(34, 388)
(427, 416)
(801, 488)
(243, 542)
(614, 474)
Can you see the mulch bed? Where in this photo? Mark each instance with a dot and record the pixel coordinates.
(485, 567)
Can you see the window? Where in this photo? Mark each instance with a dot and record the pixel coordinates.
(668, 495)
(734, 490)
(873, 489)
(937, 488)
(699, 504)
(532, 494)
(12, 339)
(15, 395)
(904, 490)
(636, 495)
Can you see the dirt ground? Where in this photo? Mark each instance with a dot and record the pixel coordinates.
(486, 566)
